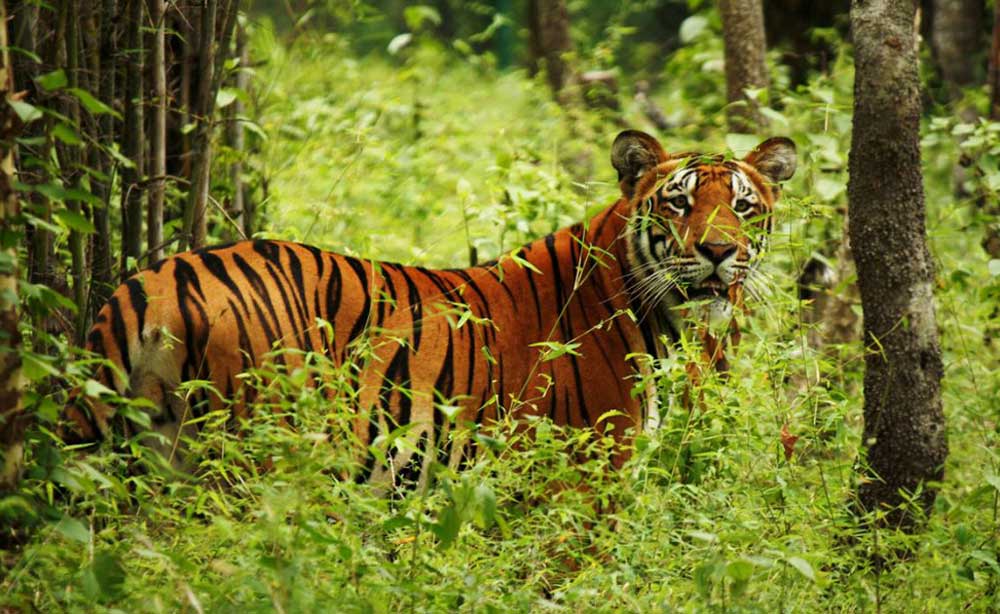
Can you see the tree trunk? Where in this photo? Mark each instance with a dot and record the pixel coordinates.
(158, 138)
(71, 157)
(956, 37)
(12, 415)
(746, 62)
(212, 52)
(550, 41)
(24, 23)
(101, 285)
(904, 423)
(134, 139)
(195, 220)
(237, 138)
(994, 66)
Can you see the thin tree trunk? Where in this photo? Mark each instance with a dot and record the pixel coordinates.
(956, 36)
(994, 66)
(13, 418)
(213, 50)
(134, 139)
(70, 156)
(904, 424)
(550, 41)
(746, 61)
(101, 283)
(158, 138)
(237, 135)
(24, 23)
(188, 35)
(195, 220)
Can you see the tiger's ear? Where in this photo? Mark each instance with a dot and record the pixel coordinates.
(632, 154)
(775, 158)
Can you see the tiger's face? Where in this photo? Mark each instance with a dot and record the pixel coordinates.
(698, 224)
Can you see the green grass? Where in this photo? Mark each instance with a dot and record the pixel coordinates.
(414, 160)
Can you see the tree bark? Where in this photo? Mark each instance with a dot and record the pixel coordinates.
(158, 138)
(746, 62)
(195, 220)
(904, 423)
(237, 136)
(550, 41)
(994, 66)
(134, 139)
(212, 52)
(101, 285)
(12, 415)
(71, 157)
(956, 37)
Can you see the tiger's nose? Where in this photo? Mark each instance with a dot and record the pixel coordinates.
(716, 252)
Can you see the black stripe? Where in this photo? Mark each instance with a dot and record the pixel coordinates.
(398, 374)
(334, 288)
(365, 315)
(195, 333)
(416, 307)
(298, 330)
(534, 291)
(246, 347)
(484, 303)
(260, 289)
(444, 385)
(218, 268)
(510, 295)
(137, 298)
(119, 334)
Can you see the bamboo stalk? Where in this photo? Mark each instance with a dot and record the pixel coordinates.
(71, 165)
(101, 282)
(158, 138)
(132, 190)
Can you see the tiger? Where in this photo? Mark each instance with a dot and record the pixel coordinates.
(565, 325)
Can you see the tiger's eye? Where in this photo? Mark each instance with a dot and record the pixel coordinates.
(679, 203)
(742, 206)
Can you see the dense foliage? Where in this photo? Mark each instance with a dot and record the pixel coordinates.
(426, 156)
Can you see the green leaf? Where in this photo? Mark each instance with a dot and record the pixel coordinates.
(75, 221)
(988, 557)
(693, 27)
(65, 133)
(802, 566)
(554, 349)
(398, 43)
(109, 574)
(73, 529)
(28, 113)
(741, 144)
(740, 570)
(447, 526)
(487, 504)
(92, 104)
(704, 536)
(36, 367)
(417, 16)
(225, 97)
(52, 80)
(94, 388)
(993, 266)
(829, 189)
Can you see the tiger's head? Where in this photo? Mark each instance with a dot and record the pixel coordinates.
(697, 224)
